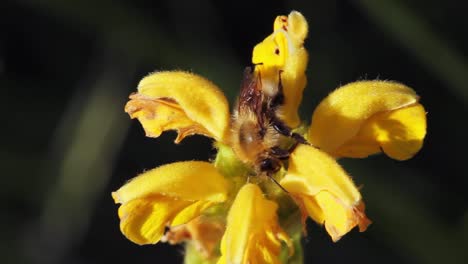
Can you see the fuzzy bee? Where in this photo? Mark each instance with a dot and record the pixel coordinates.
(269, 96)
(257, 131)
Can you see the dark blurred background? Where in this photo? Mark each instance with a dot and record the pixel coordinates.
(67, 67)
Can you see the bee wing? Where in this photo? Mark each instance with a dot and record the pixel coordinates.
(251, 96)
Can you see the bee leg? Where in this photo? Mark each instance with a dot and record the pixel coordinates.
(270, 166)
(280, 153)
(293, 147)
(284, 154)
(277, 123)
(283, 129)
(299, 138)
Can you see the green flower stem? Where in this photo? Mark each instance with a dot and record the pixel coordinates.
(298, 257)
(293, 226)
(193, 256)
(230, 166)
(227, 162)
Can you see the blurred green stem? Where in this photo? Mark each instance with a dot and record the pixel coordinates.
(86, 143)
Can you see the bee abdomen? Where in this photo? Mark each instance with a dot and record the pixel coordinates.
(250, 140)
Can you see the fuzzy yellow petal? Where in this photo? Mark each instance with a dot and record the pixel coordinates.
(143, 220)
(252, 234)
(295, 24)
(327, 193)
(162, 114)
(187, 180)
(357, 119)
(283, 51)
(190, 212)
(337, 217)
(272, 51)
(180, 101)
(399, 133)
(169, 195)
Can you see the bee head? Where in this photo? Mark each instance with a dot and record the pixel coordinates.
(270, 165)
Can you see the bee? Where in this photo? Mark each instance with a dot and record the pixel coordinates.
(260, 138)
(257, 131)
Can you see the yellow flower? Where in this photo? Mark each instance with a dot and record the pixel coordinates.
(356, 120)
(324, 191)
(168, 195)
(253, 234)
(180, 101)
(284, 51)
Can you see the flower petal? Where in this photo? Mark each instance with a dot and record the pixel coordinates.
(359, 118)
(252, 234)
(283, 51)
(168, 195)
(338, 217)
(143, 220)
(180, 101)
(398, 133)
(191, 211)
(325, 191)
(187, 180)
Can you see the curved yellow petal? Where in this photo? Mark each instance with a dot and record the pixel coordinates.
(295, 24)
(190, 212)
(169, 195)
(326, 192)
(143, 220)
(399, 133)
(186, 180)
(337, 217)
(363, 116)
(283, 53)
(180, 101)
(252, 233)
